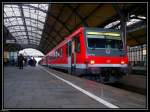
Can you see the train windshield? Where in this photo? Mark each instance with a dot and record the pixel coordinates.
(104, 40)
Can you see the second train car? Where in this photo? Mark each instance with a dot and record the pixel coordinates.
(92, 51)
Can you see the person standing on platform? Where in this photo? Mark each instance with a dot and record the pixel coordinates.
(34, 62)
(20, 60)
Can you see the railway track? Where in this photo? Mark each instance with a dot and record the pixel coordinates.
(118, 85)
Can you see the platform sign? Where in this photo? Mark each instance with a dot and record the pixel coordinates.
(10, 41)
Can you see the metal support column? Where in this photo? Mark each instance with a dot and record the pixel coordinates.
(142, 53)
(123, 31)
(122, 22)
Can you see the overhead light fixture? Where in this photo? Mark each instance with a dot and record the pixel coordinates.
(141, 17)
(103, 33)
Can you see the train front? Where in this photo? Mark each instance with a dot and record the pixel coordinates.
(105, 54)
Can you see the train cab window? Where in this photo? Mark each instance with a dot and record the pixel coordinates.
(96, 43)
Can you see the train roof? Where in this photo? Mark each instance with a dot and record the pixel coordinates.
(77, 31)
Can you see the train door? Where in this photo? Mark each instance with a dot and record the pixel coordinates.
(69, 52)
(47, 61)
(72, 49)
(73, 56)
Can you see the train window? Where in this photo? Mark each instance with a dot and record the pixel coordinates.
(96, 43)
(110, 43)
(68, 50)
(51, 57)
(60, 51)
(77, 46)
(56, 54)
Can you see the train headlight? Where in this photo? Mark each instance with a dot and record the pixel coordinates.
(92, 62)
(122, 62)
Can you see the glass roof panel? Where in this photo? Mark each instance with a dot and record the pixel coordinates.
(38, 36)
(19, 33)
(30, 36)
(35, 5)
(23, 33)
(16, 27)
(28, 28)
(34, 31)
(12, 10)
(22, 28)
(41, 18)
(29, 33)
(25, 37)
(26, 14)
(24, 41)
(25, 21)
(43, 6)
(12, 29)
(14, 34)
(42, 14)
(39, 32)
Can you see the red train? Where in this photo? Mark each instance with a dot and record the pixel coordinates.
(93, 51)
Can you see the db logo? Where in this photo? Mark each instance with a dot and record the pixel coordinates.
(107, 51)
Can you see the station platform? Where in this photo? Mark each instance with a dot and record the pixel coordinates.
(139, 68)
(41, 87)
(134, 80)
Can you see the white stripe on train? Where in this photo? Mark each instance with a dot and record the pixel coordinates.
(83, 66)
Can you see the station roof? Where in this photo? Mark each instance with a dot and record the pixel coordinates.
(43, 26)
(25, 22)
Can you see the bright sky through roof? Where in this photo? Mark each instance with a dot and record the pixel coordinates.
(31, 52)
